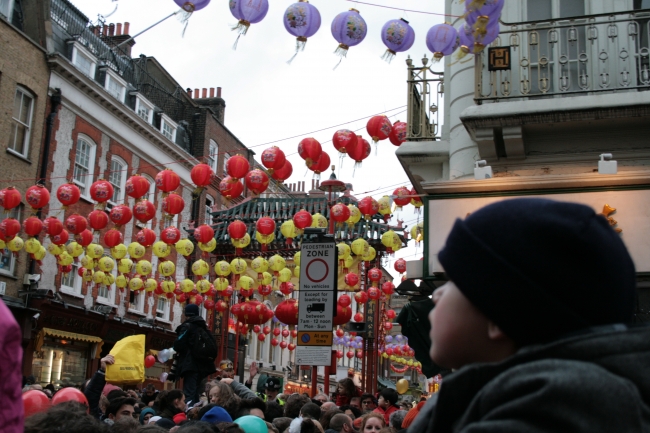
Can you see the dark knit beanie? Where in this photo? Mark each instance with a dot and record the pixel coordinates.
(191, 310)
(540, 269)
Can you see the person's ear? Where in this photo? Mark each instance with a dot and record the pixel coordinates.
(494, 332)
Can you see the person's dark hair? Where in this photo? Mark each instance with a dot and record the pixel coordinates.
(395, 419)
(151, 428)
(273, 410)
(271, 427)
(282, 423)
(229, 427)
(308, 426)
(197, 427)
(50, 387)
(62, 418)
(246, 404)
(326, 417)
(311, 410)
(126, 425)
(294, 404)
(166, 404)
(205, 410)
(115, 405)
(370, 396)
(355, 411)
(151, 387)
(390, 395)
(227, 398)
(317, 402)
(387, 430)
(338, 421)
(348, 387)
(116, 393)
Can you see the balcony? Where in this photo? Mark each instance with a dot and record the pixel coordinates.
(423, 103)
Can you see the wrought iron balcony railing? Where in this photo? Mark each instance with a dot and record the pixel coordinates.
(569, 56)
(425, 89)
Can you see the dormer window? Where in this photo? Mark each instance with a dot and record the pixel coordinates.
(83, 60)
(115, 85)
(6, 8)
(144, 108)
(168, 127)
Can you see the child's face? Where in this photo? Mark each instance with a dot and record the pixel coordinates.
(381, 402)
(459, 331)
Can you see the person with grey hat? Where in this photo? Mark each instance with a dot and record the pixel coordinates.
(195, 352)
(536, 322)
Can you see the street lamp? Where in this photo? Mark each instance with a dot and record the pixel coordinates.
(332, 185)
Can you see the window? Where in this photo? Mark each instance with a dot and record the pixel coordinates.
(83, 60)
(115, 86)
(226, 157)
(144, 109)
(209, 201)
(162, 308)
(7, 258)
(117, 178)
(84, 164)
(168, 128)
(213, 156)
(71, 283)
(21, 122)
(538, 10)
(6, 8)
(136, 301)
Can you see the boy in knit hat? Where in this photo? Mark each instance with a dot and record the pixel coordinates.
(535, 323)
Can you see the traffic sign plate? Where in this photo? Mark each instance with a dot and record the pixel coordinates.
(315, 338)
(313, 355)
(317, 294)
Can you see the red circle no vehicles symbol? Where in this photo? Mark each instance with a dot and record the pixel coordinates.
(317, 270)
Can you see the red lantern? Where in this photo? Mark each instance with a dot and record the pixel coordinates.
(321, 165)
(85, 238)
(52, 226)
(264, 290)
(9, 228)
(343, 315)
(273, 159)
(374, 293)
(61, 238)
(358, 317)
(388, 326)
(302, 219)
(144, 210)
(350, 354)
(379, 128)
(283, 173)
(173, 204)
(286, 288)
(33, 226)
(237, 229)
(351, 279)
(374, 274)
(344, 301)
(228, 292)
(237, 167)
(181, 298)
(294, 333)
(112, 238)
(37, 196)
(101, 191)
(340, 213)
(398, 133)
(368, 207)
(287, 312)
(274, 342)
(276, 332)
(170, 235)
(66, 269)
(283, 344)
(388, 288)
(340, 333)
(264, 226)
(310, 150)
(75, 223)
(221, 306)
(402, 196)
(339, 354)
(146, 237)
(203, 233)
(285, 333)
(359, 354)
(231, 188)
(361, 152)
(291, 347)
(121, 214)
(97, 219)
(257, 181)
(267, 330)
(68, 194)
(137, 186)
(202, 175)
(345, 140)
(400, 266)
(256, 329)
(361, 297)
(167, 180)
(9, 198)
(390, 314)
(245, 293)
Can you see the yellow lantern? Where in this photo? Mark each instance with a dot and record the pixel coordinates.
(246, 282)
(370, 255)
(296, 272)
(348, 262)
(32, 245)
(266, 278)
(98, 277)
(409, 363)
(119, 251)
(388, 239)
(384, 207)
(200, 267)
(87, 262)
(243, 242)
(343, 250)
(222, 268)
(168, 286)
(184, 247)
(238, 266)
(166, 268)
(161, 249)
(106, 264)
(121, 281)
(40, 254)
(109, 279)
(16, 244)
(73, 248)
(360, 246)
(136, 251)
(397, 245)
(288, 229)
(355, 215)
(296, 258)
(135, 284)
(264, 239)
(53, 249)
(87, 275)
(417, 232)
(94, 251)
(3, 245)
(319, 221)
(277, 263)
(65, 259)
(259, 265)
(187, 285)
(202, 286)
(210, 246)
(221, 284)
(384, 355)
(125, 266)
(143, 267)
(150, 285)
(285, 275)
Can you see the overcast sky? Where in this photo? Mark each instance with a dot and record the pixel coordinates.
(269, 100)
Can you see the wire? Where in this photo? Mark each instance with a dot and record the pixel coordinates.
(404, 10)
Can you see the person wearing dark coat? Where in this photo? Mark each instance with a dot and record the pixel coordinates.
(94, 388)
(191, 370)
(536, 322)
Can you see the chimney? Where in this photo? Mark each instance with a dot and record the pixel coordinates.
(189, 92)
(119, 29)
(105, 31)
(111, 29)
(113, 38)
(218, 92)
(126, 28)
(197, 94)
(212, 92)
(216, 104)
(205, 93)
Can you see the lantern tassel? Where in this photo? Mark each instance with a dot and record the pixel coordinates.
(183, 17)
(388, 56)
(356, 165)
(301, 41)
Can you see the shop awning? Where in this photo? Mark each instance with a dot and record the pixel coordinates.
(386, 383)
(71, 335)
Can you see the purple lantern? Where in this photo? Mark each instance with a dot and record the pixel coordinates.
(398, 36)
(192, 5)
(349, 29)
(474, 42)
(247, 12)
(302, 20)
(442, 40)
(485, 7)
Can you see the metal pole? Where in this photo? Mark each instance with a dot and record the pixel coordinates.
(148, 28)
(234, 364)
(314, 381)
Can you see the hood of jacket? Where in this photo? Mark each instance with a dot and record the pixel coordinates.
(194, 320)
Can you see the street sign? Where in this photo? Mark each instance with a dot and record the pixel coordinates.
(314, 355)
(315, 338)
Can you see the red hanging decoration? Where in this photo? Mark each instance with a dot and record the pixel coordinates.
(310, 150)
(343, 315)
(286, 288)
(379, 128)
(273, 159)
(321, 165)
(302, 219)
(287, 312)
(351, 280)
(32, 226)
(231, 188)
(361, 297)
(75, 223)
(9, 228)
(202, 175)
(170, 235)
(173, 204)
(358, 317)
(274, 342)
(112, 238)
(374, 275)
(120, 214)
(85, 238)
(265, 226)
(257, 181)
(68, 194)
(344, 301)
(144, 210)
(204, 233)
(167, 180)
(61, 238)
(345, 141)
(237, 229)
(52, 226)
(101, 191)
(9, 198)
(388, 288)
(146, 237)
(374, 293)
(37, 196)
(398, 133)
(400, 266)
(283, 173)
(368, 207)
(360, 152)
(237, 166)
(97, 219)
(137, 186)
